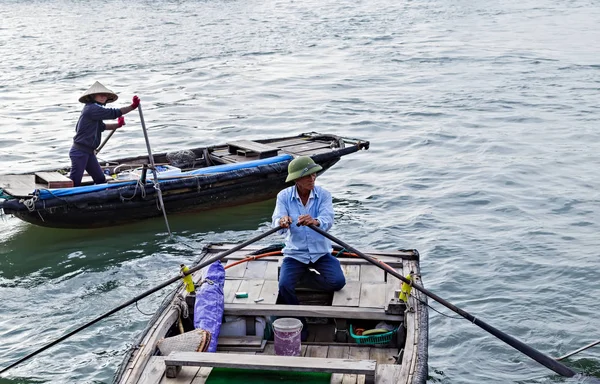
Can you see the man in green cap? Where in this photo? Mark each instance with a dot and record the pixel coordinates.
(297, 206)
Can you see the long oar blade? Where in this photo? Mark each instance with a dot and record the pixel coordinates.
(141, 296)
(536, 355)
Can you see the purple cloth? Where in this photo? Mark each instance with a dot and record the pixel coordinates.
(210, 301)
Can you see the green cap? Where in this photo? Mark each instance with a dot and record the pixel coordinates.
(300, 167)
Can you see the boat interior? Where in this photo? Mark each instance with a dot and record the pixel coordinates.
(335, 344)
(235, 151)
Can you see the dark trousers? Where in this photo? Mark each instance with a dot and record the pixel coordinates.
(82, 161)
(330, 278)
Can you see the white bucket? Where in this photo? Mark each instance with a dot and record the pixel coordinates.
(287, 336)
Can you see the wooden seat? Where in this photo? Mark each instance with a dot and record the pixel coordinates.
(282, 310)
(250, 148)
(176, 360)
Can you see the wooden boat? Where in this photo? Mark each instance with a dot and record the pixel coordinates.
(332, 353)
(238, 172)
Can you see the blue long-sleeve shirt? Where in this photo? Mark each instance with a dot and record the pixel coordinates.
(302, 243)
(90, 125)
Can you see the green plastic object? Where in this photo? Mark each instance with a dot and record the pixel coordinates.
(249, 376)
(380, 339)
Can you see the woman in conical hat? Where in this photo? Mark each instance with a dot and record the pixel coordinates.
(89, 131)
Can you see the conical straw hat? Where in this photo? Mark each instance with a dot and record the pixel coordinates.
(98, 88)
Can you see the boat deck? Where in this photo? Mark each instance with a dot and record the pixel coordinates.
(367, 293)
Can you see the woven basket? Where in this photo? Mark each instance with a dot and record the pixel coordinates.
(197, 340)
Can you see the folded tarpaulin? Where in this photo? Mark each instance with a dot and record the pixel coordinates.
(210, 302)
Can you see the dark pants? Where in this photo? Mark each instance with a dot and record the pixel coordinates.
(330, 278)
(82, 161)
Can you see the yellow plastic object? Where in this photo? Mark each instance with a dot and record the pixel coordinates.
(187, 280)
(375, 331)
(405, 289)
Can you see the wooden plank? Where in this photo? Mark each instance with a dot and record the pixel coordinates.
(248, 341)
(229, 289)
(236, 270)
(351, 272)
(371, 273)
(238, 309)
(316, 351)
(359, 353)
(202, 375)
(349, 296)
(53, 179)
(252, 287)
(337, 352)
(389, 374)
(17, 185)
(276, 363)
(373, 295)
(154, 372)
(383, 355)
(255, 269)
(185, 376)
(269, 292)
(271, 271)
(252, 148)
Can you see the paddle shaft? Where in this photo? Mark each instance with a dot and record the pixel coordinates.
(141, 296)
(151, 160)
(104, 142)
(579, 350)
(536, 355)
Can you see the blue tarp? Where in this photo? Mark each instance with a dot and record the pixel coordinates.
(58, 192)
(210, 303)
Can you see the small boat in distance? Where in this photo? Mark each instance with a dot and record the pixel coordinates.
(363, 333)
(235, 173)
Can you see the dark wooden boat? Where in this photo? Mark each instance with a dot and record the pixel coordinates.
(238, 172)
(332, 348)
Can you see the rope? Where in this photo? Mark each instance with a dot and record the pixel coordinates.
(29, 203)
(181, 306)
(142, 189)
(143, 313)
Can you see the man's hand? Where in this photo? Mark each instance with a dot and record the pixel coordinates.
(285, 221)
(307, 220)
(120, 122)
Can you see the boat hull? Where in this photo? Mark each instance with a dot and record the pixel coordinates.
(133, 201)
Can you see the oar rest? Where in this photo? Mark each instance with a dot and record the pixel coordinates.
(176, 360)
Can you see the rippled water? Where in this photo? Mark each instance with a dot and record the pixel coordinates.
(483, 122)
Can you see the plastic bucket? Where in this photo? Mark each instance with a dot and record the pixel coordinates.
(287, 336)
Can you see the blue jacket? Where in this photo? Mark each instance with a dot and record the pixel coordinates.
(302, 243)
(90, 126)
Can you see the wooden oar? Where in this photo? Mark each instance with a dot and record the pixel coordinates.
(141, 296)
(536, 355)
(104, 142)
(151, 159)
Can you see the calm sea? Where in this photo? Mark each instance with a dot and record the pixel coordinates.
(483, 118)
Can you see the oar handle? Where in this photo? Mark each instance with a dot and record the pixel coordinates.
(536, 355)
(141, 296)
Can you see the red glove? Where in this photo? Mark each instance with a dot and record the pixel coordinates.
(135, 102)
(120, 122)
